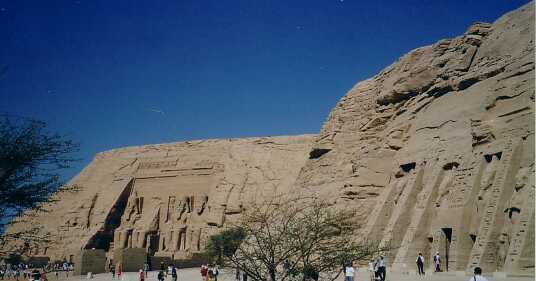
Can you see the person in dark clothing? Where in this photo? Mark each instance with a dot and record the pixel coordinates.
(381, 269)
(420, 264)
(237, 274)
(161, 275)
(36, 275)
(173, 273)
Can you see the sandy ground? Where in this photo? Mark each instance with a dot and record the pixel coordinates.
(192, 274)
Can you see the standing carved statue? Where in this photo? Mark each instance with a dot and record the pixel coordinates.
(486, 181)
(400, 185)
(182, 207)
(444, 186)
(201, 207)
(511, 215)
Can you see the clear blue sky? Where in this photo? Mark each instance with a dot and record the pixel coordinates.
(117, 73)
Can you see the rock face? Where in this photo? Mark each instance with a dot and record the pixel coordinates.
(165, 198)
(436, 154)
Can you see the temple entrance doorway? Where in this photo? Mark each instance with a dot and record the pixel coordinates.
(446, 239)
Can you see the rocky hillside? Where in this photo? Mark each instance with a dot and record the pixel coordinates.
(436, 152)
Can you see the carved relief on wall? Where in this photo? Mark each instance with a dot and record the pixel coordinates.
(491, 164)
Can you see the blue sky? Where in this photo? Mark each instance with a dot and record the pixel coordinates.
(118, 73)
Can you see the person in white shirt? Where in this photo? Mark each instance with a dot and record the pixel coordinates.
(478, 275)
(372, 270)
(437, 262)
(349, 272)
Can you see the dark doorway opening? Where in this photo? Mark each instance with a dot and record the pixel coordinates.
(448, 236)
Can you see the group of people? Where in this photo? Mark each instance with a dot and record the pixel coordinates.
(30, 272)
(377, 269)
(13, 271)
(420, 263)
(209, 272)
(163, 273)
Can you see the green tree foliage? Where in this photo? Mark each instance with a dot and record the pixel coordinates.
(224, 244)
(30, 160)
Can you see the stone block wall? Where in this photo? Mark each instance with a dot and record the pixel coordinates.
(90, 261)
(130, 260)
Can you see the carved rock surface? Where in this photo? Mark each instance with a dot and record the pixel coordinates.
(435, 153)
(167, 198)
(429, 151)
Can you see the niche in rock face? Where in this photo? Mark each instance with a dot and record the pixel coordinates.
(408, 167)
(489, 157)
(318, 152)
(450, 166)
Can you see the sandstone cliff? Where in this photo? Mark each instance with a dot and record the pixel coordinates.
(435, 153)
(166, 198)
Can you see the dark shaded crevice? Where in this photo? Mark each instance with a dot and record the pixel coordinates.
(471, 60)
(439, 91)
(470, 81)
(318, 152)
(103, 237)
(503, 97)
(436, 127)
(91, 208)
(518, 73)
(514, 112)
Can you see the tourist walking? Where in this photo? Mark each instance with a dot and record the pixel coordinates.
(173, 273)
(420, 264)
(65, 268)
(216, 271)
(377, 269)
(437, 262)
(372, 272)
(204, 272)
(36, 275)
(146, 269)
(160, 275)
(17, 274)
(112, 270)
(478, 275)
(141, 275)
(349, 272)
(211, 273)
(382, 272)
(119, 271)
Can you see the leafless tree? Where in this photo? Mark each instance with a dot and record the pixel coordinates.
(298, 239)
